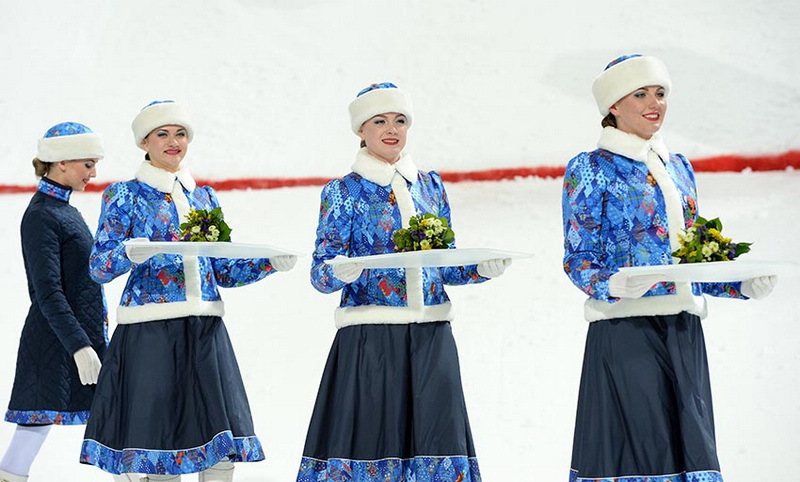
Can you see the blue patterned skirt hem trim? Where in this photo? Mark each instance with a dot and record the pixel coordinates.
(699, 476)
(418, 469)
(47, 417)
(182, 461)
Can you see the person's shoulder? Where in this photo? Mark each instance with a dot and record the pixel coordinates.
(676, 156)
(586, 157)
(343, 182)
(117, 187)
(40, 214)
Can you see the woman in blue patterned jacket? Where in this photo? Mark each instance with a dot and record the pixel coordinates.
(390, 405)
(64, 337)
(170, 399)
(644, 409)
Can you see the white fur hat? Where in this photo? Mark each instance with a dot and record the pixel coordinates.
(160, 113)
(69, 141)
(626, 74)
(378, 99)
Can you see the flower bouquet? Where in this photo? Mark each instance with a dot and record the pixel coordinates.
(202, 225)
(426, 231)
(703, 242)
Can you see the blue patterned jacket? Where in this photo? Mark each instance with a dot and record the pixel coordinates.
(358, 214)
(623, 205)
(152, 206)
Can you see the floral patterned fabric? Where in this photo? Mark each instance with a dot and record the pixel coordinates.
(52, 189)
(614, 216)
(705, 476)
(223, 446)
(418, 469)
(357, 218)
(135, 209)
(46, 417)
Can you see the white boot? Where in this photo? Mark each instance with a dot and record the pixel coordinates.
(9, 477)
(222, 472)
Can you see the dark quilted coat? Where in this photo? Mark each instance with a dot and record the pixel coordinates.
(67, 309)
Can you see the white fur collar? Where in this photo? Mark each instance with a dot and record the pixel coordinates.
(164, 180)
(631, 145)
(380, 172)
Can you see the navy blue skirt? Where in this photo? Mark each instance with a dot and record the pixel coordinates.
(170, 400)
(644, 408)
(391, 407)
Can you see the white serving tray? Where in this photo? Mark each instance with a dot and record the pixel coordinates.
(716, 271)
(141, 250)
(430, 258)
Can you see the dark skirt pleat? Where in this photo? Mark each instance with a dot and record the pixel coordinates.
(644, 408)
(390, 403)
(170, 399)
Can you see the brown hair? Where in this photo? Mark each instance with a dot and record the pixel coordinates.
(41, 168)
(609, 121)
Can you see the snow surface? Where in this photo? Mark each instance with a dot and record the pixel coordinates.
(495, 84)
(520, 337)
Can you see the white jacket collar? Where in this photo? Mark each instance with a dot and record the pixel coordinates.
(164, 180)
(631, 145)
(380, 172)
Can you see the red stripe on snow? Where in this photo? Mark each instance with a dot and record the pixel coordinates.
(728, 163)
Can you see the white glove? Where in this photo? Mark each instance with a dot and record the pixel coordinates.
(283, 263)
(622, 286)
(348, 272)
(88, 365)
(138, 251)
(761, 287)
(493, 268)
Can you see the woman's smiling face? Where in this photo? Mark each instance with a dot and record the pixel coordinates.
(385, 136)
(166, 146)
(642, 111)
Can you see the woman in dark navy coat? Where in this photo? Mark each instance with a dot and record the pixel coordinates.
(65, 332)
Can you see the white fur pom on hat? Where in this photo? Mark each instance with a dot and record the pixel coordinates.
(625, 74)
(68, 141)
(378, 99)
(160, 113)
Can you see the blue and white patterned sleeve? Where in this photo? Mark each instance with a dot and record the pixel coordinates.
(582, 208)
(108, 259)
(334, 233)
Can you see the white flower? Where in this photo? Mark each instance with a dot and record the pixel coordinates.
(213, 230)
(425, 244)
(714, 246)
(689, 236)
(707, 251)
(195, 229)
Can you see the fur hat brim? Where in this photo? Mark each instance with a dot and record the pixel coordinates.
(69, 148)
(623, 78)
(157, 115)
(379, 101)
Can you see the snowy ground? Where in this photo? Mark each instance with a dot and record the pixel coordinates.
(520, 337)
